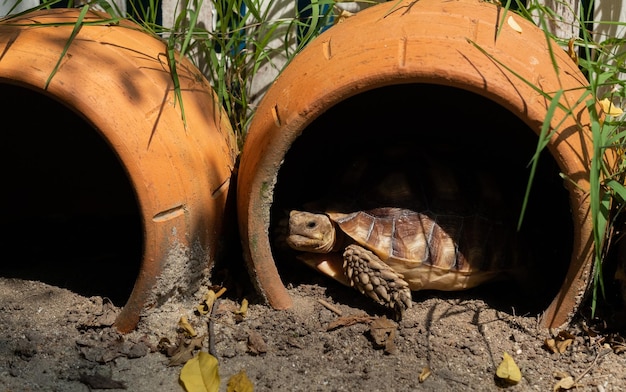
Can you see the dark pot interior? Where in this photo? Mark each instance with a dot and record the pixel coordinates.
(355, 145)
(71, 217)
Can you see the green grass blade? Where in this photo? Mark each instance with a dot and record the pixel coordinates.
(178, 97)
(542, 142)
(192, 23)
(77, 26)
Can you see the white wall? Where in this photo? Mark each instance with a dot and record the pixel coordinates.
(6, 5)
(611, 10)
(605, 10)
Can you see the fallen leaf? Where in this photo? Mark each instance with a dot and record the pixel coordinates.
(424, 374)
(513, 24)
(347, 321)
(564, 384)
(565, 335)
(508, 370)
(383, 332)
(200, 374)
(571, 51)
(209, 298)
(550, 344)
(243, 310)
(609, 108)
(183, 323)
(105, 318)
(256, 344)
(562, 345)
(240, 383)
(183, 350)
(560, 342)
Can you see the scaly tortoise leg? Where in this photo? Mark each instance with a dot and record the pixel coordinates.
(371, 276)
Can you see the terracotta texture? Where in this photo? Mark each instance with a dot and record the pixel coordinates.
(117, 78)
(419, 42)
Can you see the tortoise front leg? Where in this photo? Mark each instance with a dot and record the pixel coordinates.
(371, 276)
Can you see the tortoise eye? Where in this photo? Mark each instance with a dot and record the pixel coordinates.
(311, 224)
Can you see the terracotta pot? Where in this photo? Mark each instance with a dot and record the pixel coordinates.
(116, 78)
(432, 44)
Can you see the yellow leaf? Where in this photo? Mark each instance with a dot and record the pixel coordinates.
(424, 374)
(563, 345)
(513, 24)
(571, 51)
(343, 16)
(200, 374)
(609, 108)
(240, 383)
(243, 310)
(184, 324)
(565, 383)
(508, 370)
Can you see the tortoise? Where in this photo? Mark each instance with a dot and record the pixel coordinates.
(405, 222)
(388, 252)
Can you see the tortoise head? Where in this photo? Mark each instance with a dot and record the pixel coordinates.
(309, 232)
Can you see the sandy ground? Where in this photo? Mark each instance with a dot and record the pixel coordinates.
(332, 340)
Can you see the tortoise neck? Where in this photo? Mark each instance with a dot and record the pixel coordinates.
(339, 241)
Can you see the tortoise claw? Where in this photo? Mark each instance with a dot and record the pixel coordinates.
(372, 277)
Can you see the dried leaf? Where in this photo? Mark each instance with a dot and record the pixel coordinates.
(383, 332)
(240, 383)
(564, 384)
(209, 298)
(513, 24)
(609, 108)
(508, 370)
(571, 51)
(200, 374)
(256, 344)
(105, 318)
(347, 321)
(343, 16)
(563, 335)
(560, 342)
(183, 323)
(424, 374)
(550, 344)
(243, 310)
(562, 345)
(183, 350)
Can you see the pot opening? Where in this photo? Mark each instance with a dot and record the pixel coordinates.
(71, 217)
(427, 147)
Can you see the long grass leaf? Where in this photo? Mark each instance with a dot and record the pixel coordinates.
(77, 26)
(192, 23)
(544, 137)
(171, 61)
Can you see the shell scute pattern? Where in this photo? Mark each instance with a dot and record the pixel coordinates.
(406, 236)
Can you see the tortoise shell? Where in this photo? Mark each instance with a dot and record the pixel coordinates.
(442, 252)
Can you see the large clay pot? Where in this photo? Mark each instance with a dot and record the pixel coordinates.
(452, 52)
(116, 83)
